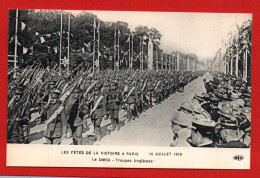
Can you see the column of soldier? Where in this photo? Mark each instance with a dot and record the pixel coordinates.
(65, 102)
(221, 117)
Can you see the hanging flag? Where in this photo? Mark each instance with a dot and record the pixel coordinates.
(42, 39)
(144, 43)
(36, 33)
(19, 44)
(23, 26)
(98, 28)
(31, 50)
(48, 35)
(11, 39)
(25, 50)
(128, 39)
(96, 63)
(55, 48)
(115, 33)
(94, 25)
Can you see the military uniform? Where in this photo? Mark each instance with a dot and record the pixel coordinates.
(76, 112)
(129, 94)
(114, 101)
(98, 111)
(23, 116)
(54, 131)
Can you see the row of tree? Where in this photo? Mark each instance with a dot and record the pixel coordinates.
(234, 57)
(39, 39)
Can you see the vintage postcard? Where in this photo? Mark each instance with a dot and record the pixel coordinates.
(128, 89)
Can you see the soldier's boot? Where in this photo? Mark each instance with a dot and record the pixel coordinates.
(69, 132)
(117, 124)
(141, 107)
(64, 132)
(134, 113)
(129, 116)
(25, 135)
(113, 124)
(77, 141)
(98, 133)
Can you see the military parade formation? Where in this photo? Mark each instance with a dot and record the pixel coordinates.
(65, 103)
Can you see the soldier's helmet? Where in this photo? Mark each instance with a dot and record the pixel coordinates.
(52, 82)
(197, 107)
(206, 125)
(181, 119)
(77, 90)
(19, 91)
(240, 102)
(228, 124)
(246, 111)
(226, 112)
(235, 106)
(55, 94)
(97, 87)
(106, 84)
(114, 84)
(248, 104)
(226, 104)
(235, 95)
(187, 105)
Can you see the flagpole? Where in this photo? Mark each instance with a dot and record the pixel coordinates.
(15, 47)
(140, 58)
(142, 55)
(118, 49)
(60, 42)
(98, 43)
(68, 54)
(129, 61)
(132, 53)
(94, 44)
(115, 49)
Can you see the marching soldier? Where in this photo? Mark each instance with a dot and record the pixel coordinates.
(98, 112)
(138, 98)
(55, 122)
(129, 99)
(150, 92)
(76, 110)
(18, 125)
(114, 101)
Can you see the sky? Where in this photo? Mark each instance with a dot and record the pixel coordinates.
(198, 33)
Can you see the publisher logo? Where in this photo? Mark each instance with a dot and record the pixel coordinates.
(238, 157)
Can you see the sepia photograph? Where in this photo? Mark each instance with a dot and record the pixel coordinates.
(128, 81)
